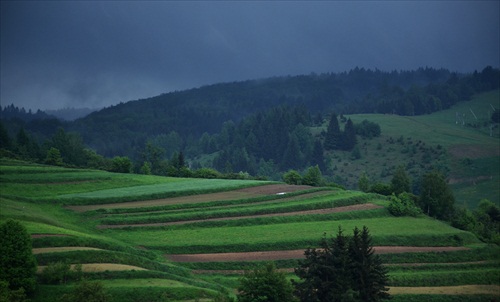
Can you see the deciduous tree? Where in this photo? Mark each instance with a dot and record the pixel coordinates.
(436, 197)
(400, 181)
(265, 284)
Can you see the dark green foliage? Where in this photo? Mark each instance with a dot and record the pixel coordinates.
(404, 205)
(348, 136)
(5, 140)
(121, 164)
(54, 157)
(364, 182)
(342, 269)
(333, 135)
(400, 181)
(71, 147)
(369, 276)
(8, 295)
(436, 197)
(292, 156)
(483, 221)
(265, 284)
(17, 264)
(86, 291)
(368, 129)
(495, 116)
(60, 273)
(381, 188)
(317, 157)
(313, 177)
(292, 177)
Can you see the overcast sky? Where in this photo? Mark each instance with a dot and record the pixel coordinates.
(92, 54)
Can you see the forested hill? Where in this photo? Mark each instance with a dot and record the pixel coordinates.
(121, 129)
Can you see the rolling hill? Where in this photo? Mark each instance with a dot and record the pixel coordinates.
(178, 239)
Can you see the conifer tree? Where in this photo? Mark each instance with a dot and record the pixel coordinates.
(349, 136)
(333, 134)
(317, 157)
(342, 269)
(369, 276)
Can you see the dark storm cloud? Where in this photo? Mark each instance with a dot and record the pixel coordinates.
(77, 54)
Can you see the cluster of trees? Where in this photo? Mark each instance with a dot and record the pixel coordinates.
(246, 126)
(436, 199)
(343, 268)
(18, 268)
(335, 139)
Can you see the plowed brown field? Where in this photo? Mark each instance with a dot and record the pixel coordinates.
(357, 207)
(298, 254)
(229, 195)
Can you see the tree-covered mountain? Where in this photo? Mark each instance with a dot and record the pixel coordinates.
(123, 129)
(263, 127)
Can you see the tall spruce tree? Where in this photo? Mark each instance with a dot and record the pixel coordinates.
(369, 276)
(317, 157)
(342, 269)
(349, 136)
(333, 134)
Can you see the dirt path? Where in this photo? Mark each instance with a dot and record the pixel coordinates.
(357, 207)
(43, 250)
(298, 254)
(229, 195)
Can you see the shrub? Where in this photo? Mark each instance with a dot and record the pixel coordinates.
(403, 205)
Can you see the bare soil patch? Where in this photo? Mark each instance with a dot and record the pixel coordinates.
(298, 254)
(291, 270)
(448, 290)
(229, 195)
(43, 250)
(358, 207)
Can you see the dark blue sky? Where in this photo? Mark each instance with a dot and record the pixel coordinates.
(91, 54)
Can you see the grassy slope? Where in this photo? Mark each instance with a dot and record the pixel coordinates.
(470, 154)
(34, 195)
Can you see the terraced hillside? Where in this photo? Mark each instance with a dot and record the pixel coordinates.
(152, 238)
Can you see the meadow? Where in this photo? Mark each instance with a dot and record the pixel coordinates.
(245, 223)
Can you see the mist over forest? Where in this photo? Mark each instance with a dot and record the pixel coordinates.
(260, 127)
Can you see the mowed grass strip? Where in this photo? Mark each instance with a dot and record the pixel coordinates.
(320, 214)
(174, 187)
(218, 199)
(101, 267)
(43, 250)
(277, 206)
(385, 231)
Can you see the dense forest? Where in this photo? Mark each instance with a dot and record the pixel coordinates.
(260, 127)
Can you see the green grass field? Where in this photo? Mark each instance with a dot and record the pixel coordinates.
(222, 219)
